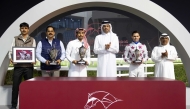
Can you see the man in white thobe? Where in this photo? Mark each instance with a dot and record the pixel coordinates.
(163, 56)
(106, 45)
(72, 54)
(136, 68)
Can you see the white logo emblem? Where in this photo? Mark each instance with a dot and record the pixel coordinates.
(105, 98)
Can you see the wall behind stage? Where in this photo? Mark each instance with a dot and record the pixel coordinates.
(122, 25)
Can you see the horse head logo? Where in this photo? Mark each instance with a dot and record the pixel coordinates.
(105, 98)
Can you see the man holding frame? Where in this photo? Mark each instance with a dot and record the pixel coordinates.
(21, 69)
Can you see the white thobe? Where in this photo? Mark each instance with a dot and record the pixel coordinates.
(129, 56)
(164, 67)
(106, 58)
(72, 53)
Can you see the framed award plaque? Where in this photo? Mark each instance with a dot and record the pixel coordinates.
(23, 54)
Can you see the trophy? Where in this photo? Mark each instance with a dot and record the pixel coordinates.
(137, 54)
(53, 52)
(82, 52)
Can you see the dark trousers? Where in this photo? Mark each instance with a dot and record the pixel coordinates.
(27, 73)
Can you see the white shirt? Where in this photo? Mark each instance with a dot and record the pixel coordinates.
(129, 54)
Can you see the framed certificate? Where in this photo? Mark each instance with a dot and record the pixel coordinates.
(23, 54)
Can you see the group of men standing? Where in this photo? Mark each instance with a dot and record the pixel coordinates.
(106, 46)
